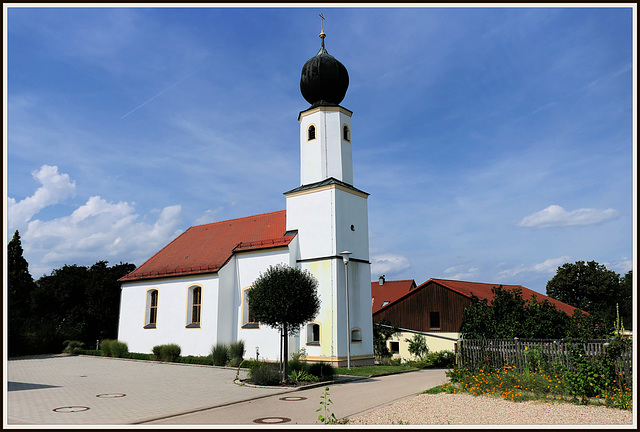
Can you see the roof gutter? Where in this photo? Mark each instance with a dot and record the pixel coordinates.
(435, 335)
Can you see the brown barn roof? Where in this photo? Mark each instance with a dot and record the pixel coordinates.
(483, 291)
(390, 291)
(206, 248)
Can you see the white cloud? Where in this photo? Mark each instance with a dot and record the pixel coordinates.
(388, 263)
(554, 215)
(459, 272)
(97, 230)
(549, 266)
(209, 216)
(55, 188)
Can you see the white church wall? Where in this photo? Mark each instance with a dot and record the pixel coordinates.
(328, 155)
(352, 225)
(172, 310)
(325, 272)
(312, 215)
(249, 267)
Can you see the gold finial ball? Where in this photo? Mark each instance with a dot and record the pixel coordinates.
(322, 35)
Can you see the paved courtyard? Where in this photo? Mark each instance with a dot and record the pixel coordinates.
(75, 390)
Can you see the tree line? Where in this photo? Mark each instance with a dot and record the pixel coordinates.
(602, 297)
(72, 303)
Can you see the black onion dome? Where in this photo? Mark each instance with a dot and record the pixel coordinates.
(324, 79)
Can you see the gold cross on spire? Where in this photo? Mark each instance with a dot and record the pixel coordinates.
(322, 35)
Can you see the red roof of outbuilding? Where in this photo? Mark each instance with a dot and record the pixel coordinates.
(206, 248)
(390, 291)
(483, 291)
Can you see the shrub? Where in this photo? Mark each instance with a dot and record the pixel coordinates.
(105, 347)
(236, 352)
(418, 346)
(266, 374)
(201, 360)
(220, 354)
(323, 371)
(73, 347)
(168, 352)
(119, 349)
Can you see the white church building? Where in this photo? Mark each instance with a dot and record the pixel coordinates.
(193, 292)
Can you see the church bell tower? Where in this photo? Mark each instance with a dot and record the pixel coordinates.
(330, 216)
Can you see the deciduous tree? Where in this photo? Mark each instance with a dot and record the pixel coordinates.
(284, 297)
(593, 288)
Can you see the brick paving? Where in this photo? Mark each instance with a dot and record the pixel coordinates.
(131, 391)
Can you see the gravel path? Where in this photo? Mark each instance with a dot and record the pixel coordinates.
(464, 409)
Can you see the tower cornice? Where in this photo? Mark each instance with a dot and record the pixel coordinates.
(316, 109)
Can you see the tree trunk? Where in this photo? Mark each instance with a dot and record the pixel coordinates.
(285, 354)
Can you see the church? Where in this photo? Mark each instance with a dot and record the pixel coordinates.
(193, 292)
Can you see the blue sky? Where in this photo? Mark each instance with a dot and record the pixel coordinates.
(496, 143)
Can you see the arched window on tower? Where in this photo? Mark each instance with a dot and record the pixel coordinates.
(346, 135)
(313, 334)
(311, 133)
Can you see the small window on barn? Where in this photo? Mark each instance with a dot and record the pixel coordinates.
(311, 133)
(434, 320)
(384, 303)
(394, 347)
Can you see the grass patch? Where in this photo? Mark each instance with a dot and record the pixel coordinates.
(435, 390)
(367, 371)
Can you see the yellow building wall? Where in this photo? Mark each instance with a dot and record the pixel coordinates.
(435, 344)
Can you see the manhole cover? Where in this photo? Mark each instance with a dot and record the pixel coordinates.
(272, 420)
(111, 395)
(70, 409)
(292, 398)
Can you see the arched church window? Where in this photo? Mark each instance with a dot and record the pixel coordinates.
(313, 334)
(248, 320)
(356, 335)
(346, 135)
(151, 314)
(194, 307)
(311, 133)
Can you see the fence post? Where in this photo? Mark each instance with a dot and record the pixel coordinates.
(518, 355)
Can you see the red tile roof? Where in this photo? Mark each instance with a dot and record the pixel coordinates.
(206, 248)
(483, 291)
(390, 291)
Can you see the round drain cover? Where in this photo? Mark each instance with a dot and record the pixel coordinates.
(292, 398)
(272, 420)
(70, 409)
(111, 395)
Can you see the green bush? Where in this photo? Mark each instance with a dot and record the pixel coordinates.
(266, 374)
(73, 347)
(201, 360)
(167, 352)
(119, 349)
(236, 352)
(220, 354)
(105, 347)
(323, 371)
(418, 346)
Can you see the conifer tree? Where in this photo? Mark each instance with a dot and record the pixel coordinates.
(20, 287)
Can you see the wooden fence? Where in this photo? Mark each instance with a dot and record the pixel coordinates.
(477, 353)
